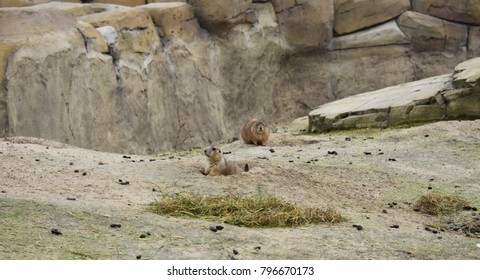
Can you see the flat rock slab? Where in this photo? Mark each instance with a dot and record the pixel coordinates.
(432, 99)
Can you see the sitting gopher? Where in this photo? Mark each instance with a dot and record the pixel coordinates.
(255, 132)
(219, 165)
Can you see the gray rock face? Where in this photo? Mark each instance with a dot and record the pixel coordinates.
(180, 75)
(432, 99)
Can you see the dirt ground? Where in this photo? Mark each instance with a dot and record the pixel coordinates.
(372, 177)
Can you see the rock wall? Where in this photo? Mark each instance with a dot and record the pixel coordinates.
(150, 76)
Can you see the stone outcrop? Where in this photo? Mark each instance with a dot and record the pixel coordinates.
(219, 16)
(306, 23)
(174, 19)
(427, 33)
(353, 15)
(450, 96)
(162, 76)
(465, 11)
(382, 35)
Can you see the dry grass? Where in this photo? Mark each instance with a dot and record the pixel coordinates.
(436, 203)
(256, 211)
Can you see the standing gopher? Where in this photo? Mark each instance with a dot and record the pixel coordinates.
(255, 132)
(218, 165)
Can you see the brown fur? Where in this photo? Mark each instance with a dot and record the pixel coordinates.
(219, 165)
(255, 132)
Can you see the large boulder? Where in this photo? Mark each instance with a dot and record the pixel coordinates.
(219, 16)
(437, 98)
(137, 34)
(428, 33)
(24, 3)
(466, 11)
(381, 35)
(174, 19)
(353, 15)
(306, 23)
(131, 3)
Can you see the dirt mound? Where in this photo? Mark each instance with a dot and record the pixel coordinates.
(372, 177)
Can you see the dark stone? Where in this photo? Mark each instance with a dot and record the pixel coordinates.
(56, 231)
(395, 226)
(219, 227)
(212, 228)
(115, 225)
(235, 252)
(358, 227)
(138, 257)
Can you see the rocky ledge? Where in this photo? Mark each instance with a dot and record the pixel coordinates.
(451, 96)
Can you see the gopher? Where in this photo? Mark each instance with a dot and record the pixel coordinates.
(219, 165)
(255, 132)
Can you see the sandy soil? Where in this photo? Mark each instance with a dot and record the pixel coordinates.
(372, 177)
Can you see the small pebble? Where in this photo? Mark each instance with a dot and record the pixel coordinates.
(467, 208)
(272, 151)
(76, 170)
(84, 173)
(367, 153)
(4, 191)
(332, 153)
(257, 248)
(56, 231)
(348, 139)
(358, 227)
(143, 235)
(416, 209)
(71, 198)
(392, 159)
(235, 252)
(212, 228)
(430, 188)
(395, 226)
(71, 163)
(138, 257)
(152, 159)
(384, 211)
(219, 227)
(115, 225)
(37, 159)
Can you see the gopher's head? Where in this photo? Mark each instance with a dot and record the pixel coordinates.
(260, 127)
(213, 154)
